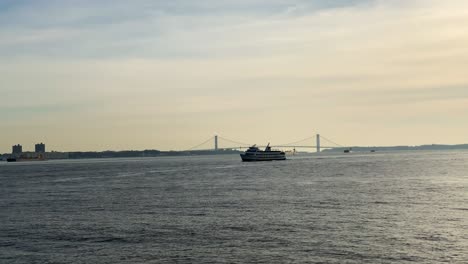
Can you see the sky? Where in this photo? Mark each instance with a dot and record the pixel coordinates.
(116, 75)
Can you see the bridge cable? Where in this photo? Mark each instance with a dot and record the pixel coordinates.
(235, 142)
(299, 141)
(208, 140)
(326, 139)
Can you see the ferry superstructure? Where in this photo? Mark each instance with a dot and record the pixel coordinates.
(255, 154)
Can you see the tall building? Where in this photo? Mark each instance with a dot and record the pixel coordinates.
(40, 148)
(17, 149)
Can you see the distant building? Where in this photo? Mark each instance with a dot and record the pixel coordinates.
(17, 149)
(40, 148)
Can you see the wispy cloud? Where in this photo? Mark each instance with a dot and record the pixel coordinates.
(177, 65)
(148, 28)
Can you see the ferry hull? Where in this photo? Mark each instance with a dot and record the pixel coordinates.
(254, 158)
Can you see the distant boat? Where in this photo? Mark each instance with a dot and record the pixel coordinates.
(22, 158)
(255, 154)
(291, 152)
(347, 151)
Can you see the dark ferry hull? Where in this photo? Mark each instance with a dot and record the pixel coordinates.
(247, 158)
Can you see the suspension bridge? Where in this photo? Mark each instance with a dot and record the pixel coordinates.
(218, 143)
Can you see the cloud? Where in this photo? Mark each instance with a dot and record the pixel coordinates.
(144, 28)
(183, 69)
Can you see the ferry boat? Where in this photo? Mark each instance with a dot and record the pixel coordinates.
(255, 154)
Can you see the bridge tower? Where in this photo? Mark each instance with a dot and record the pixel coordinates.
(216, 142)
(318, 143)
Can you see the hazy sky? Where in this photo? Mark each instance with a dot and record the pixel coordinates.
(115, 74)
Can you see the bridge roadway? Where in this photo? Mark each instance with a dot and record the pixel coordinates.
(286, 146)
(222, 149)
(242, 145)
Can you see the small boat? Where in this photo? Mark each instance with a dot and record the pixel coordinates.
(255, 154)
(21, 158)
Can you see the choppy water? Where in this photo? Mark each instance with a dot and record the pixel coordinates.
(380, 208)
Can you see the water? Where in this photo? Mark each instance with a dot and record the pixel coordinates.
(379, 208)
